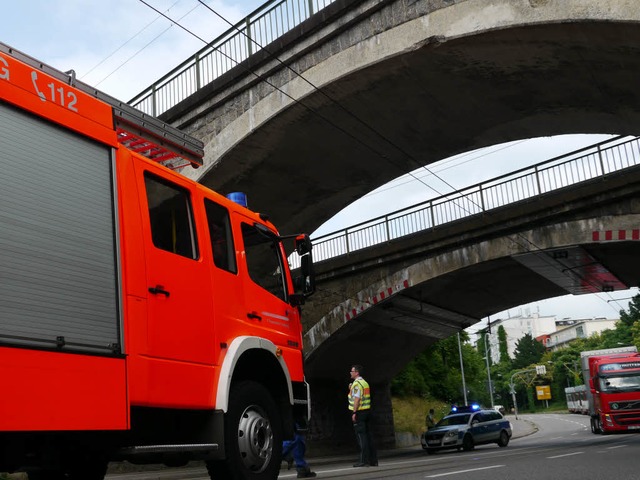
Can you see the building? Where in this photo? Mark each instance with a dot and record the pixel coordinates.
(549, 331)
(569, 330)
(517, 327)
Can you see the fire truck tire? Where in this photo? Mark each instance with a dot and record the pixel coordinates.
(253, 436)
(88, 471)
(41, 474)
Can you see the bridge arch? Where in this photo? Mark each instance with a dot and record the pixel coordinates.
(435, 79)
(407, 301)
(413, 82)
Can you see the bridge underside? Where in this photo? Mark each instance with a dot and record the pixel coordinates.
(430, 103)
(387, 337)
(409, 293)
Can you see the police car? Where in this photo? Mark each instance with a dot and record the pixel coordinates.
(465, 427)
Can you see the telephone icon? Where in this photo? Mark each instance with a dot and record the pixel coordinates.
(34, 80)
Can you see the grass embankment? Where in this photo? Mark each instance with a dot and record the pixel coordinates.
(409, 413)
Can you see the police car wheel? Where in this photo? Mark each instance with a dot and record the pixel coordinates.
(467, 443)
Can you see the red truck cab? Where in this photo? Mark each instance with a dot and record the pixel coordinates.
(614, 384)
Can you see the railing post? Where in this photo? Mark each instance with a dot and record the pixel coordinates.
(198, 83)
(310, 7)
(386, 224)
(346, 240)
(154, 100)
(601, 161)
(433, 217)
(482, 207)
(249, 42)
(538, 180)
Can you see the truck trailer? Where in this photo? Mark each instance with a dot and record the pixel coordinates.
(143, 317)
(613, 393)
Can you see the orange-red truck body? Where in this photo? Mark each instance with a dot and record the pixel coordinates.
(178, 320)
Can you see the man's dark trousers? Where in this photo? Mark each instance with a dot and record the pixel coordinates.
(368, 454)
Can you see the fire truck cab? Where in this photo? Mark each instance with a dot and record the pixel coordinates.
(144, 317)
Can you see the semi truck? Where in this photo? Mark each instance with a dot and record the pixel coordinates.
(143, 317)
(613, 393)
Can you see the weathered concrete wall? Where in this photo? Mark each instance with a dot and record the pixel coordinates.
(331, 427)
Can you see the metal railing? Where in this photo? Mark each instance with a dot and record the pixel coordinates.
(258, 29)
(585, 164)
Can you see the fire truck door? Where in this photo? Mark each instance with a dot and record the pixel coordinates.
(180, 322)
(265, 283)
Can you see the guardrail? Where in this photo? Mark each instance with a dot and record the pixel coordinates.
(258, 29)
(585, 164)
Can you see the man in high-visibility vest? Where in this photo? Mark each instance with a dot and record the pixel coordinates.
(360, 407)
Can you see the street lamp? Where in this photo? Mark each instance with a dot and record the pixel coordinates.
(512, 386)
(486, 357)
(539, 370)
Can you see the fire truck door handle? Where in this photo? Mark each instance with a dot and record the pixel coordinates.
(158, 290)
(254, 316)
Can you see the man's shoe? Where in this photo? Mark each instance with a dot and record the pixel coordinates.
(374, 464)
(360, 465)
(306, 473)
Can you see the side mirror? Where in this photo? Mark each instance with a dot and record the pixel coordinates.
(303, 244)
(305, 283)
(308, 279)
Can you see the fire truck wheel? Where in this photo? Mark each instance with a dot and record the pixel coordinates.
(88, 471)
(253, 437)
(42, 474)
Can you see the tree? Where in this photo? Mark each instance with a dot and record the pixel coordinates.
(528, 351)
(436, 371)
(503, 346)
(633, 315)
(631, 320)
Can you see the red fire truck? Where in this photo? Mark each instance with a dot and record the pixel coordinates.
(143, 317)
(613, 393)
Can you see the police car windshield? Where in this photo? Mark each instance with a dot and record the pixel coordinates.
(460, 419)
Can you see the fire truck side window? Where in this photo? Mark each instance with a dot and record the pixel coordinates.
(170, 215)
(263, 260)
(221, 236)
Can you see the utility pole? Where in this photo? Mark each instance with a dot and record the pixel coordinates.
(464, 385)
(486, 357)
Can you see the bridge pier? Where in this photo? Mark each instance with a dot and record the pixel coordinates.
(331, 431)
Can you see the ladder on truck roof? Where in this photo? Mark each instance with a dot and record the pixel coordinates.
(136, 130)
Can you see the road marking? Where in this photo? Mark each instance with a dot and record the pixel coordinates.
(567, 455)
(616, 446)
(464, 471)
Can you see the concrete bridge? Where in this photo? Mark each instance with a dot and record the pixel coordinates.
(388, 86)
(402, 296)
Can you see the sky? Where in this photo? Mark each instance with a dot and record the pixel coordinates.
(123, 46)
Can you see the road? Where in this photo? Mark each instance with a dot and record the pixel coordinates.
(561, 447)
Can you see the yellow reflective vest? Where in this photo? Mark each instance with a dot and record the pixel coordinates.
(361, 385)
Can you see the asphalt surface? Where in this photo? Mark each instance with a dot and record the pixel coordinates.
(520, 428)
